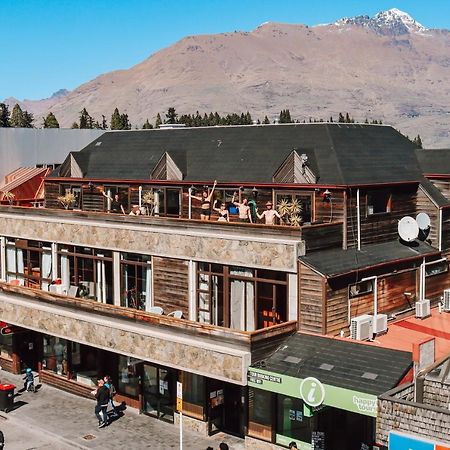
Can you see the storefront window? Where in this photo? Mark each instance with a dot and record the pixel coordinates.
(128, 376)
(260, 414)
(291, 421)
(55, 355)
(135, 281)
(6, 349)
(193, 394)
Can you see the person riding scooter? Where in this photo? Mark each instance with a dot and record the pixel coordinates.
(29, 380)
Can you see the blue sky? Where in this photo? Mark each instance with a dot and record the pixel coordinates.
(53, 44)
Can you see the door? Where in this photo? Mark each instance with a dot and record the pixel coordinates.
(158, 392)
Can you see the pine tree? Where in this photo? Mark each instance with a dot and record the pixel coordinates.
(341, 118)
(50, 121)
(126, 125)
(171, 116)
(86, 121)
(4, 116)
(116, 120)
(347, 118)
(266, 120)
(158, 121)
(75, 125)
(17, 119)
(331, 119)
(104, 124)
(418, 141)
(147, 125)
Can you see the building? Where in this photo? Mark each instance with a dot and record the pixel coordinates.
(164, 297)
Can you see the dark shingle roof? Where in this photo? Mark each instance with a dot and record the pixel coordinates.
(351, 365)
(339, 154)
(434, 161)
(335, 262)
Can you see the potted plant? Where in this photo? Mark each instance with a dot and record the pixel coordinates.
(291, 211)
(9, 196)
(67, 200)
(148, 199)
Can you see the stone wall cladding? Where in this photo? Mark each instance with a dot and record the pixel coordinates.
(256, 444)
(208, 362)
(436, 393)
(271, 253)
(411, 418)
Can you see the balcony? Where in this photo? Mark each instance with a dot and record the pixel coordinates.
(206, 350)
(249, 245)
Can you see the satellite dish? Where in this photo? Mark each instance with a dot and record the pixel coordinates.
(408, 229)
(423, 220)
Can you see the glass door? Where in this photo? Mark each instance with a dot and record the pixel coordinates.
(158, 392)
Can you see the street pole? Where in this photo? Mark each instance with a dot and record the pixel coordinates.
(180, 409)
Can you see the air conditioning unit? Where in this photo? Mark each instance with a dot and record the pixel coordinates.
(361, 328)
(447, 300)
(380, 323)
(423, 309)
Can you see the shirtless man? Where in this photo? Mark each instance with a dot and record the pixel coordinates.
(245, 214)
(269, 214)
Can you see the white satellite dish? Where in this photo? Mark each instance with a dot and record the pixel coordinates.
(408, 229)
(423, 220)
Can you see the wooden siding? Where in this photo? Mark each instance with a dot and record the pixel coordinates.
(323, 236)
(329, 211)
(51, 194)
(92, 199)
(382, 227)
(443, 186)
(446, 229)
(310, 311)
(337, 310)
(424, 204)
(171, 285)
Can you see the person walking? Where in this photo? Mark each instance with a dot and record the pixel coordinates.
(112, 393)
(102, 396)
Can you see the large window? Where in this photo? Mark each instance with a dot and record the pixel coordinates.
(378, 202)
(194, 388)
(28, 263)
(86, 272)
(291, 421)
(168, 202)
(55, 355)
(260, 410)
(302, 201)
(135, 281)
(128, 376)
(436, 269)
(122, 192)
(6, 346)
(240, 298)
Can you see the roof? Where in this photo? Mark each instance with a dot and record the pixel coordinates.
(335, 262)
(434, 161)
(342, 363)
(22, 175)
(403, 333)
(338, 154)
(434, 193)
(26, 147)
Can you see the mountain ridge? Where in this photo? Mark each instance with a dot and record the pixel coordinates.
(388, 67)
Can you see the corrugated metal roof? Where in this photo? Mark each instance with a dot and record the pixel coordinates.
(22, 176)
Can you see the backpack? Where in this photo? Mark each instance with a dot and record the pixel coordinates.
(112, 390)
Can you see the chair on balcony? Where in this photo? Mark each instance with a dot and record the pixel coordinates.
(73, 291)
(176, 314)
(156, 310)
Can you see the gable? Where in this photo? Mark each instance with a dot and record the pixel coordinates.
(70, 168)
(295, 169)
(166, 169)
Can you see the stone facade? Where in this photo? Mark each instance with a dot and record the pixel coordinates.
(191, 424)
(256, 444)
(275, 253)
(142, 341)
(397, 414)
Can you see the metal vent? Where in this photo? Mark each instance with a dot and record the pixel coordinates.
(369, 375)
(292, 359)
(326, 366)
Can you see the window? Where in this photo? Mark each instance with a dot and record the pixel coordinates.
(135, 281)
(302, 200)
(436, 269)
(76, 191)
(260, 408)
(291, 421)
(55, 355)
(378, 202)
(128, 376)
(361, 288)
(29, 263)
(89, 270)
(124, 197)
(6, 346)
(193, 394)
(167, 202)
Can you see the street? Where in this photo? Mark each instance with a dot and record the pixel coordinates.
(53, 419)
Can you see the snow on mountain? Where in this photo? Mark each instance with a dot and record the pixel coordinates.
(392, 23)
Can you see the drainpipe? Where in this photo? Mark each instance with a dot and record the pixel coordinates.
(2, 258)
(140, 196)
(358, 219)
(189, 203)
(440, 229)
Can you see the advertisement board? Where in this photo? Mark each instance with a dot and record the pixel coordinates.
(400, 441)
(313, 392)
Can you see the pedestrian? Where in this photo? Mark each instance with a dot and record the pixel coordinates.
(102, 396)
(292, 445)
(112, 393)
(269, 214)
(223, 446)
(29, 379)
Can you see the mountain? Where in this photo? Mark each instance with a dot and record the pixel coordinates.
(386, 67)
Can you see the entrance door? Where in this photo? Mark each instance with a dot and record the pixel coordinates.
(28, 346)
(158, 390)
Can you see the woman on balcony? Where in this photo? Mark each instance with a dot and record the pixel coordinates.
(205, 208)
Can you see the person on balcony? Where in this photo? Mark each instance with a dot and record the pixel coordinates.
(224, 216)
(116, 204)
(245, 214)
(206, 198)
(269, 214)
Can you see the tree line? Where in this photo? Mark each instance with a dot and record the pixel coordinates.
(19, 118)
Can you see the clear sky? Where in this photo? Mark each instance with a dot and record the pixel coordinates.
(53, 44)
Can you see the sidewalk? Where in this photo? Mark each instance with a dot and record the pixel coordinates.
(54, 419)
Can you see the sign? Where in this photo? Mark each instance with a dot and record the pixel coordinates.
(10, 329)
(313, 392)
(318, 440)
(179, 396)
(400, 441)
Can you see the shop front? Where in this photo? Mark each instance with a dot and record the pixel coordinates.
(312, 392)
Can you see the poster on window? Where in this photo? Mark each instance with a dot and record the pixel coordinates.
(318, 440)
